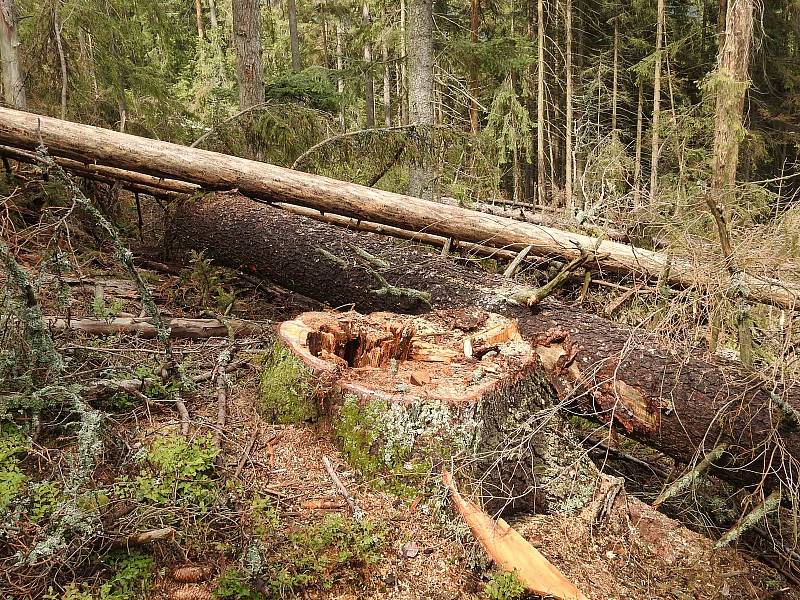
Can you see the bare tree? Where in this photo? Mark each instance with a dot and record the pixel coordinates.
(568, 170)
(13, 80)
(656, 142)
(540, 118)
(387, 86)
(294, 39)
(420, 94)
(247, 43)
(474, 22)
(369, 86)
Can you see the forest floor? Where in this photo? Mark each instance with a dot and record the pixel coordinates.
(284, 498)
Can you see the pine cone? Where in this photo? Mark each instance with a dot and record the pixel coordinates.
(191, 592)
(191, 574)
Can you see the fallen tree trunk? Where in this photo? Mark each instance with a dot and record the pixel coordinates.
(143, 327)
(270, 183)
(682, 405)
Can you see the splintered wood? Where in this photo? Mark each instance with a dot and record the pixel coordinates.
(451, 355)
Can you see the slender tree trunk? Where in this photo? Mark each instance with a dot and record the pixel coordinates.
(731, 87)
(614, 88)
(294, 39)
(540, 119)
(57, 26)
(722, 19)
(212, 14)
(403, 95)
(247, 43)
(420, 95)
(340, 71)
(369, 87)
(13, 80)
(474, 22)
(568, 170)
(637, 166)
(387, 86)
(198, 14)
(656, 142)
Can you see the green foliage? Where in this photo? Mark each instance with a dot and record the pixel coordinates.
(310, 86)
(504, 586)
(104, 310)
(206, 283)
(45, 499)
(286, 395)
(233, 584)
(510, 124)
(178, 472)
(12, 479)
(130, 579)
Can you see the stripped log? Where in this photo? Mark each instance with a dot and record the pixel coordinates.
(682, 405)
(143, 327)
(270, 183)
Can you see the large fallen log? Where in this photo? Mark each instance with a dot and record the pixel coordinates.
(270, 183)
(682, 405)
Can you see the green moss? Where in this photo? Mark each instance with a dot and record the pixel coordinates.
(286, 395)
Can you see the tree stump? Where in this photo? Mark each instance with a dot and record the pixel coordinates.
(406, 394)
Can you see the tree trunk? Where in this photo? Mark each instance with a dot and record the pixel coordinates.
(294, 38)
(13, 80)
(568, 169)
(402, 95)
(340, 72)
(247, 43)
(267, 182)
(656, 142)
(474, 22)
(198, 14)
(683, 406)
(57, 27)
(614, 91)
(637, 165)
(420, 96)
(387, 86)
(369, 87)
(212, 13)
(540, 124)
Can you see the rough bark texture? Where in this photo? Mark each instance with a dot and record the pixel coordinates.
(294, 38)
(369, 84)
(247, 43)
(262, 181)
(420, 94)
(656, 143)
(13, 81)
(680, 405)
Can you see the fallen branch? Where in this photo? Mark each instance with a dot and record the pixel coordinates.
(177, 327)
(357, 512)
(145, 537)
(511, 552)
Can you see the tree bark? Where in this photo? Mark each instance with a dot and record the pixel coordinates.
(340, 71)
(247, 43)
(420, 96)
(294, 38)
(57, 28)
(683, 406)
(403, 79)
(13, 80)
(369, 86)
(198, 14)
(266, 182)
(656, 142)
(568, 169)
(637, 165)
(614, 86)
(540, 119)
(474, 23)
(387, 86)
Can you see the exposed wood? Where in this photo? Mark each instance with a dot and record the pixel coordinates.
(145, 537)
(511, 552)
(602, 369)
(270, 183)
(512, 268)
(144, 327)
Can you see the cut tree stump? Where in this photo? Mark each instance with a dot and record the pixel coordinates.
(683, 405)
(408, 393)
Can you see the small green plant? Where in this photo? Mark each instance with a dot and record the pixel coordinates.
(504, 586)
(45, 496)
(130, 579)
(12, 479)
(286, 395)
(208, 283)
(105, 310)
(178, 471)
(235, 585)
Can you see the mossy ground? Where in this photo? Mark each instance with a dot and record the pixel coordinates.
(286, 391)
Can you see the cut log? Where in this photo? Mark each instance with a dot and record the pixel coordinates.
(143, 327)
(682, 405)
(270, 183)
(403, 397)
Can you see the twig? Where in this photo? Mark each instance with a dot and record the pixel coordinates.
(357, 512)
(512, 268)
(246, 453)
(536, 296)
(693, 475)
(769, 504)
(145, 537)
